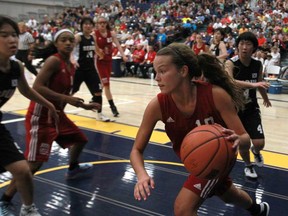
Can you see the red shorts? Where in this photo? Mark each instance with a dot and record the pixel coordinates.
(41, 134)
(104, 69)
(207, 188)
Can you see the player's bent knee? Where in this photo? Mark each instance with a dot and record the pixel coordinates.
(181, 208)
(244, 146)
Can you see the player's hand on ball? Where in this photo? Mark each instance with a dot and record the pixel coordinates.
(143, 188)
(231, 136)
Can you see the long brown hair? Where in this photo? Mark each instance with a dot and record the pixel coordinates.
(206, 65)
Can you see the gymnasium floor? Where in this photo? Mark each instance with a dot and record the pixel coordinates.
(109, 189)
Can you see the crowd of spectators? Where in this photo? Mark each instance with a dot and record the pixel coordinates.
(180, 20)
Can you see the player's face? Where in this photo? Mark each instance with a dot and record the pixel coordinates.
(245, 48)
(8, 41)
(102, 23)
(198, 38)
(87, 27)
(65, 43)
(217, 36)
(167, 75)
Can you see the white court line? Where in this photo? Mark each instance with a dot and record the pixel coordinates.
(75, 111)
(13, 120)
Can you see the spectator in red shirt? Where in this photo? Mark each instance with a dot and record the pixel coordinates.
(138, 57)
(261, 39)
(225, 20)
(210, 29)
(123, 26)
(148, 62)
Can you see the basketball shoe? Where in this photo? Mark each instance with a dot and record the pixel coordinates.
(265, 208)
(29, 211)
(83, 170)
(103, 118)
(250, 172)
(258, 158)
(5, 209)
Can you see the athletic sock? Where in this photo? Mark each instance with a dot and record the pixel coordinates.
(111, 103)
(98, 99)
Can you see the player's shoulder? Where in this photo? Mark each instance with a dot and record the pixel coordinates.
(16, 62)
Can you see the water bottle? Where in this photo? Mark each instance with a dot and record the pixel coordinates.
(151, 78)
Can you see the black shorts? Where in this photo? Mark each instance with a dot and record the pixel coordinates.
(91, 79)
(9, 151)
(252, 123)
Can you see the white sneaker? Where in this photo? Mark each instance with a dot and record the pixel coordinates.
(30, 211)
(103, 118)
(250, 172)
(265, 208)
(258, 158)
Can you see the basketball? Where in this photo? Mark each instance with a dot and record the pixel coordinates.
(206, 153)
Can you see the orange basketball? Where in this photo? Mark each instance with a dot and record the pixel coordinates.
(206, 153)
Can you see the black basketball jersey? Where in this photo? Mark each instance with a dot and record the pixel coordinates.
(8, 83)
(86, 53)
(248, 74)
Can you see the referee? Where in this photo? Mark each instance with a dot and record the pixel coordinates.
(25, 44)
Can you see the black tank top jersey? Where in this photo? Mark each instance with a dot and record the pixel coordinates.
(248, 74)
(86, 53)
(8, 83)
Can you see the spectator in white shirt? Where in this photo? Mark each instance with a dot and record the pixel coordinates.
(276, 56)
(267, 63)
(217, 24)
(32, 23)
(129, 42)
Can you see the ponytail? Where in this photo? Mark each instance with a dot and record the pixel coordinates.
(213, 70)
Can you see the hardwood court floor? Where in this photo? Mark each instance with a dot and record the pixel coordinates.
(109, 189)
(132, 95)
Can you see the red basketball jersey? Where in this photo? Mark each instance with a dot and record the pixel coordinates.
(198, 50)
(177, 125)
(61, 82)
(105, 43)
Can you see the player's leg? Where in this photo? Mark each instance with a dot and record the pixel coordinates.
(240, 198)
(257, 136)
(104, 70)
(192, 195)
(70, 136)
(187, 203)
(244, 150)
(94, 85)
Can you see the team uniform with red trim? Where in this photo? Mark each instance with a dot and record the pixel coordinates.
(104, 66)
(198, 50)
(41, 132)
(178, 125)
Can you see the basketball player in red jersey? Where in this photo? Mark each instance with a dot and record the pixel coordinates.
(104, 38)
(183, 105)
(199, 46)
(54, 82)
